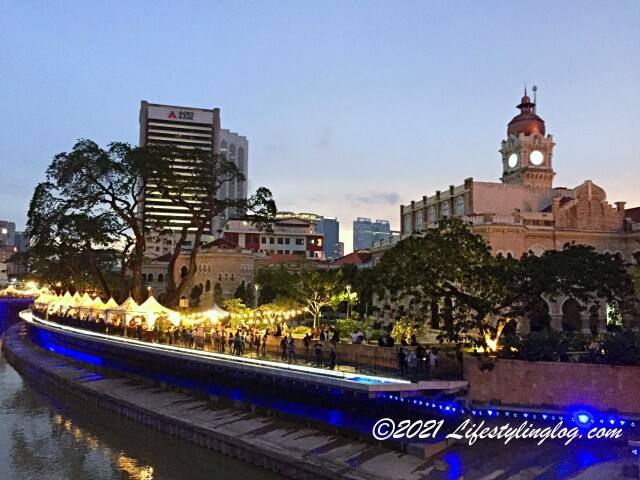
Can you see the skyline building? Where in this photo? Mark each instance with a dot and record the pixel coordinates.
(329, 227)
(366, 232)
(184, 127)
(188, 128)
(235, 148)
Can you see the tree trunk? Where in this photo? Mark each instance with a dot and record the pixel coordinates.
(174, 291)
(97, 272)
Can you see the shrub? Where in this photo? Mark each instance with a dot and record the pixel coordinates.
(347, 326)
(301, 330)
(547, 345)
(621, 348)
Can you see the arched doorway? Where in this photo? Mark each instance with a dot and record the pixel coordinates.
(539, 318)
(571, 321)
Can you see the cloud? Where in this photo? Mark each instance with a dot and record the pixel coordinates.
(388, 198)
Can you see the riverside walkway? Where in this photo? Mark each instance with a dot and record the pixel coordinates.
(281, 446)
(295, 450)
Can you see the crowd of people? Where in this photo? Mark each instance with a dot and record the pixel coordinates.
(318, 345)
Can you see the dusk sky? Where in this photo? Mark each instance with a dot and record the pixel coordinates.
(351, 108)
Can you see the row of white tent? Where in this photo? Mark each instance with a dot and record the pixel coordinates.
(150, 310)
(13, 292)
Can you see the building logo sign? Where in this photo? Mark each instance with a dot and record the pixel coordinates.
(176, 114)
(182, 114)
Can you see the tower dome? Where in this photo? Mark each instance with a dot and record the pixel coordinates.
(527, 121)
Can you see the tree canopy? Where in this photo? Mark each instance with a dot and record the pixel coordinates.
(90, 205)
(449, 274)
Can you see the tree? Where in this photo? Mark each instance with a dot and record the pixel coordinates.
(104, 190)
(449, 270)
(320, 289)
(277, 281)
(72, 246)
(237, 311)
(195, 295)
(217, 293)
(192, 180)
(362, 282)
(91, 198)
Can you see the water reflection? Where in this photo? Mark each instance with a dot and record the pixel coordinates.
(54, 436)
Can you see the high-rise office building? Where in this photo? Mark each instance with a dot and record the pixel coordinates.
(184, 127)
(365, 232)
(235, 148)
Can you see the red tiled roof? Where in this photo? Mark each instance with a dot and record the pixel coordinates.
(163, 258)
(220, 243)
(359, 257)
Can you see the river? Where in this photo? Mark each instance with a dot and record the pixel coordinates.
(58, 438)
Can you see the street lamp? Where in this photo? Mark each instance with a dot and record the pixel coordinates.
(257, 287)
(348, 287)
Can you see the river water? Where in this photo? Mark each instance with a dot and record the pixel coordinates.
(58, 438)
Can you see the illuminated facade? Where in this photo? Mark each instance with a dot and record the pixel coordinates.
(329, 227)
(525, 212)
(290, 236)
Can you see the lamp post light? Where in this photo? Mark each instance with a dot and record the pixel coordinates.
(348, 287)
(257, 287)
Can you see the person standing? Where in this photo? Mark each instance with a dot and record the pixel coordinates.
(291, 349)
(318, 350)
(306, 341)
(332, 355)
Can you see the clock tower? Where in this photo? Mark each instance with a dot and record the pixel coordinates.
(526, 153)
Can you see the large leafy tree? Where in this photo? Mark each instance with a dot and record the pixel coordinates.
(82, 210)
(320, 289)
(449, 272)
(193, 180)
(93, 197)
(277, 282)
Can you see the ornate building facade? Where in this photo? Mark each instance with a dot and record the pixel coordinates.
(525, 212)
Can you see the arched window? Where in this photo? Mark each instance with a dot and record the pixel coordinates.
(144, 277)
(207, 286)
(160, 278)
(232, 151)
(571, 321)
(150, 277)
(419, 221)
(460, 206)
(183, 272)
(444, 209)
(431, 214)
(537, 249)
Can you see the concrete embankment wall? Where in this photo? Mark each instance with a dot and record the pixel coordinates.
(559, 385)
(296, 452)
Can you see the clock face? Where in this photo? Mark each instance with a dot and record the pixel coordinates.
(513, 160)
(536, 157)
